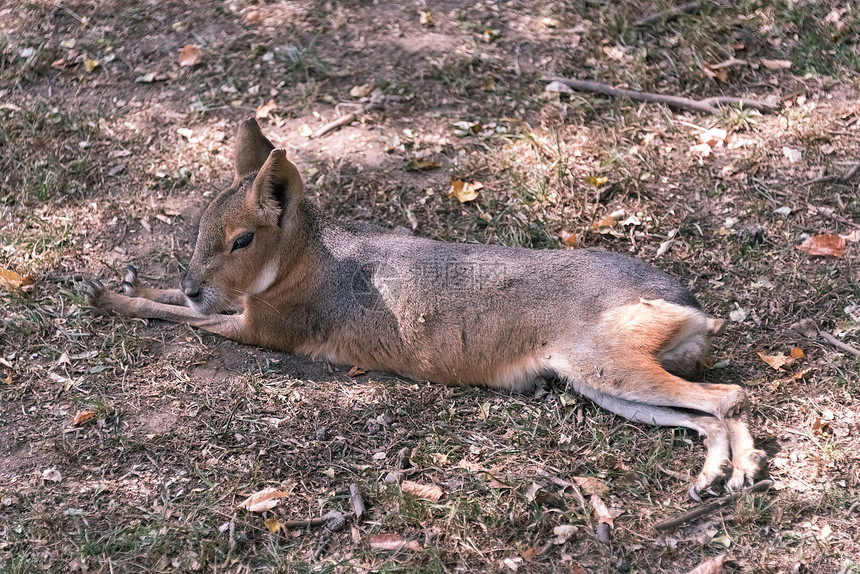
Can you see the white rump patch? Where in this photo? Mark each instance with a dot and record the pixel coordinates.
(265, 279)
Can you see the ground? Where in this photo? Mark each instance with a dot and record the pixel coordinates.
(110, 149)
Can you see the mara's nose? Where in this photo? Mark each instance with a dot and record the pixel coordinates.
(191, 289)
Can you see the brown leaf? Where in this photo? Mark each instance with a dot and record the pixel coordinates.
(719, 74)
(422, 165)
(529, 553)
(266, 109)
(82, 417)
(569, 239)
(8, 379)
(824, 244)
(265, 499)
(90, 64)
(821, 427)
(776, 362)
(422, 491)
(464, 191)
(710, 566)
(13, 280)
(356, 372)
(601, 512)
(775, 64)
(797, 353)
(253, 17)
(577, 569)
(190, 55)
(714, 137)
(392, 541)
(605, 221)
(591, 485)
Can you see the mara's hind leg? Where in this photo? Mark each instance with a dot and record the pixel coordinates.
(634, 344)
(714, 431)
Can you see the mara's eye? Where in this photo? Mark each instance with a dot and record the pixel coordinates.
(242, 241)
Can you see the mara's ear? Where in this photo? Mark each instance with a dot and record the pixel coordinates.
(277, 189)
(252, 148)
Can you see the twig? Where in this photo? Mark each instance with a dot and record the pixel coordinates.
(848, 176)
(827, 212)
(671, 14)
(839, 344)
(321, 521)
(375, 103)
(323, 543)
(356, 501)
(705, 106)
(760, 486)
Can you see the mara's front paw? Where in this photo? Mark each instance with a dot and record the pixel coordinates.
(747, 468)
(94, 293)
(130, 282)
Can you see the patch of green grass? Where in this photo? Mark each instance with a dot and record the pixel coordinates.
(823, 48)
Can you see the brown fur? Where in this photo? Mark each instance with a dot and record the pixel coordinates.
(617, 330)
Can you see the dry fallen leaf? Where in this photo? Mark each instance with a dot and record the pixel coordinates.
(422, 165)
(710, 566)
(776, 362)
(701, 150)
(362, 91)
(356, 372)
(569, 239)
(190, 55)
(90, 64)
(422, 491)
(265, 499)
(714, 137)
(264, 110)
(392, 541)
(52, 475)
(596, 181)
(605, 221)
(797, 353)
(426, 19)
(82, 417)
(775, 64)
(464, 191)
(591, 485)
(601, 512)
(8, 379)
(13, 280)
(273, 524)
(824, 244)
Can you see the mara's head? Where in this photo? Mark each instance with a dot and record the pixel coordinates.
(245, 229)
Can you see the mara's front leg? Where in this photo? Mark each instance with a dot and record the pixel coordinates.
(134, 288)
(230, 326)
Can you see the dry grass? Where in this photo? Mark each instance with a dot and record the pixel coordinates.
(94, 175)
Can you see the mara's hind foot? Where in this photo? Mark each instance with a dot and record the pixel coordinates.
(749, 462)
(713, 472)
(747, 469)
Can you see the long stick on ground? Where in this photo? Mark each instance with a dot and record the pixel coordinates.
(760, 486)
(671, 14)
(704, 106)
